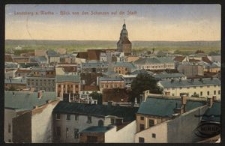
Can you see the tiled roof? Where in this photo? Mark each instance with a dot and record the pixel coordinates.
(179, 58)
(164, 107)
(94, 54)
(153, 60)
(124, 64)
(25, 100)
(83, 55)
(164, 75)
(128, 113)
(190, 82)
(213, 113)
(67, 78)
(95, 65)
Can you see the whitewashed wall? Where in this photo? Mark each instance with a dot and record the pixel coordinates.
(124, 135)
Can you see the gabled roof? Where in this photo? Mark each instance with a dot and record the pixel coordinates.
(27, 100)
(164, 107)
(153, 60)
(128, 113)
(83, 55)
(190, 82)
(67, 78)
(94, 54)
(179, 58)
(206, 59)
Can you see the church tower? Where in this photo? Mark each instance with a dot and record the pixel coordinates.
(124, 45)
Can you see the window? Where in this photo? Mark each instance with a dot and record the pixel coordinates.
(100, 123)
(214, 92)
(58, 131)
(218, 91)
(9, 128)
(153, 135)
(142, 127)
(201, 93)
(89, 119)
(141, 140)
(68, 117)
(151, 123)
(67, 130)
(92, 139)
(9, 140)
(207, 92)
(142, 118)
(76, 133)
(76, 117)
(58, 116)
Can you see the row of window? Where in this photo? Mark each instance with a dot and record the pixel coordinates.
(71, 85)
(75, 131)
(68, 117)
(111, 86)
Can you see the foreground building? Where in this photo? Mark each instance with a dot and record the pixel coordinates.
(164, 119)
(72, 118)
(28, 116)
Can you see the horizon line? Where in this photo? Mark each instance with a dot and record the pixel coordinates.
(113, 40)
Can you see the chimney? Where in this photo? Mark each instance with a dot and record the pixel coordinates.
(39, 94)
(183, 99)
(210, 102)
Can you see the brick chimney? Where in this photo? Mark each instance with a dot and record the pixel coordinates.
(210, 101)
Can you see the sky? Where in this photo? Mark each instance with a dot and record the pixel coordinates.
(146, 22)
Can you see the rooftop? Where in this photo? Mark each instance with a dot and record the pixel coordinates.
(164, 107)
(128, 113)
(190, 82)
(27, 100)
(153, 60)
(67, 78)
(100, 129)
(213, 113)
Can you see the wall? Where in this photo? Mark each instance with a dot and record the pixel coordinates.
(124, 135)
(9, 115)
(22, 128)
(185, 126)
(100, 137)
(71, 124)
(42, 129)
(179, 130)
(159, 130)
(197, 90)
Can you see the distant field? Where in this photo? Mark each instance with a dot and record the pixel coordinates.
(185, 47)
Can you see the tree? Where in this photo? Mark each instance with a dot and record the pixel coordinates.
(96, 96)
(143, 82)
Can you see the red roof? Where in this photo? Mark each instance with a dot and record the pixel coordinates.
(115, 95)
(83, 55)
(90, 88)
(179, 58)
(206, 59)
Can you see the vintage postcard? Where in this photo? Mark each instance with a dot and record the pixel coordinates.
(112, 73)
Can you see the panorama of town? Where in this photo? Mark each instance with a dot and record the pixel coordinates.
(112, 96)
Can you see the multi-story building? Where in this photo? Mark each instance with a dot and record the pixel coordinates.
(123, 67)
(42, 78)
(52, 56)
(191, 70)
(164, 119)
(94, 67)
(85, 92)
(203, 87)
(155, 63)
(67, 84)
(111, 83)
(17, 83)
(22, 72)
(69, 119)
(28, 116)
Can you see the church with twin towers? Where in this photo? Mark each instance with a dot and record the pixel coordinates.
(124, 45)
